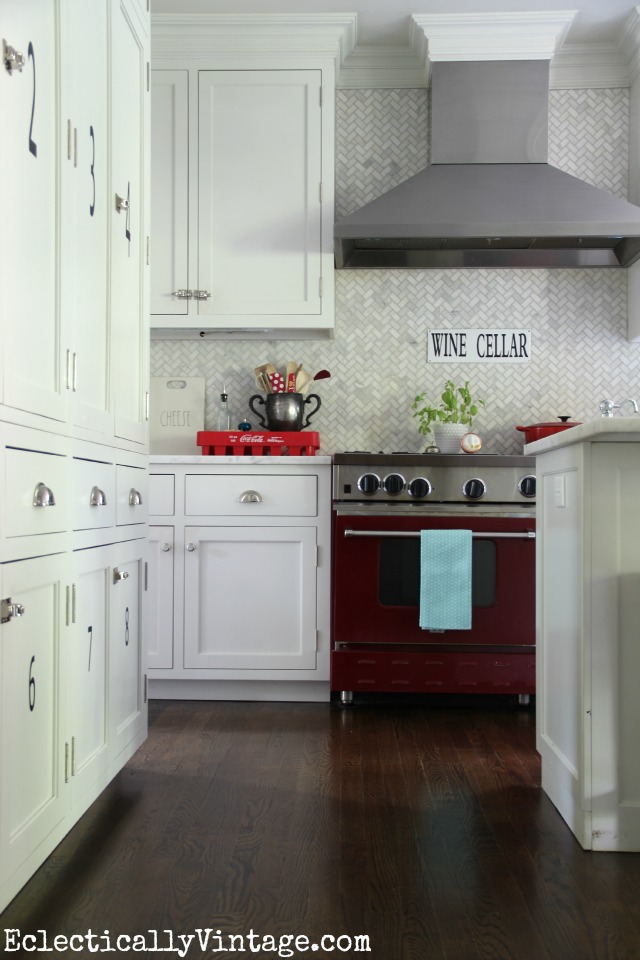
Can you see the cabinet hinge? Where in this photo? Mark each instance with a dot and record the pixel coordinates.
(146, 405)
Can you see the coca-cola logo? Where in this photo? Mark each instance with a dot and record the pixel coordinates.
(254, 438)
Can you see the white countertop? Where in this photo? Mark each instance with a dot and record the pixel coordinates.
(604, 429)
(268, 461)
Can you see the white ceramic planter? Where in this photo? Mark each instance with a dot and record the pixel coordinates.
(448, 436)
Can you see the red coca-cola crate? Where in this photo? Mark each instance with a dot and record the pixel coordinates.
(258, 443)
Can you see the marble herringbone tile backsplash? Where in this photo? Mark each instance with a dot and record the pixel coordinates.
(378, 357)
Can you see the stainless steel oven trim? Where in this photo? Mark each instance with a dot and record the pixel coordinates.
(485, 535)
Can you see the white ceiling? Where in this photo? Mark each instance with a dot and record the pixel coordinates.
(387, 21)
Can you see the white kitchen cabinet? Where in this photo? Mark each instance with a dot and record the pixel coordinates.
(127, 693)
(160, 608)
(250, 598)
(170, 191)
(84, 192)
(249, 561)
(129, 223)
(588, 657)
(242, 195)
(87, 673)
(32, 325)
(34, 763)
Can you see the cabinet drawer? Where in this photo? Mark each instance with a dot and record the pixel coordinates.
(94, 494)
(162, 495)
(132, 495)
(240, 495)
(37, 494)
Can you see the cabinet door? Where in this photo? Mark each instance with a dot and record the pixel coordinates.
(259, 207)
(250, 597)
(169, 191)
(83, 130)
(129, 325)
(160, 632)
(87, 671)
(33, 801)
(29, 307)
(127, 707)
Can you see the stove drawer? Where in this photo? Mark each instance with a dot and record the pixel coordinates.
(242, 495)
(437, 672)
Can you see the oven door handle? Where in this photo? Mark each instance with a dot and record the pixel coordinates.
(482, 535)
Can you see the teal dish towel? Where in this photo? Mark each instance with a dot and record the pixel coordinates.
(445, 579)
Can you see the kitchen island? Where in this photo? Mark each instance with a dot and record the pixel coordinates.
(587, 626)
(239, 582)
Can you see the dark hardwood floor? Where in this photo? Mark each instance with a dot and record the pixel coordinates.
(421, 825)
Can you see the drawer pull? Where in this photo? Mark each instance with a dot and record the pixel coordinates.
(97, 497)
(135, 497)
(43, 496)
(250, 496)
(121, 203)
(119, 575)
(165, 547)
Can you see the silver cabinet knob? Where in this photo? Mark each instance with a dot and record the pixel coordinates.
(97, 497)
(201, 294)
(165, 547)
(119, 575)
(13, 60)
(43, 496)
(250, 496)
(135, 497)
(183, 294)
(191, 547)
(10, 610)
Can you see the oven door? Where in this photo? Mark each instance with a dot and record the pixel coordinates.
(376, 579)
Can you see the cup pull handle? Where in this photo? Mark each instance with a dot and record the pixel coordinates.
(250, 496)
(43, 496)
(135, 497)
(97, 498)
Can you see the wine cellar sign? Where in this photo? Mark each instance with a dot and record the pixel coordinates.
(478, 346)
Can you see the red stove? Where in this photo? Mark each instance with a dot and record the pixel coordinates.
(381, 502)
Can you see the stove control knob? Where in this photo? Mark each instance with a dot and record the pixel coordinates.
(419, 488)
(527, 486)
(394, 484)
(474, 489)
(369, 484)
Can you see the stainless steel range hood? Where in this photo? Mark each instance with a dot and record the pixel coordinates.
(489, 197)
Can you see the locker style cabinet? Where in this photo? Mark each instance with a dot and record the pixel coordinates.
(242, 194)
(74, 284)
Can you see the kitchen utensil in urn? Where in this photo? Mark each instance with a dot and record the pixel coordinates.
(284, 411)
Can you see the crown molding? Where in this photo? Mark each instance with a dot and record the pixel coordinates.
(237, 36)
(494, 36)
(629, 42)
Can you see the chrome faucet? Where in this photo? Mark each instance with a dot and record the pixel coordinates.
(608, 406)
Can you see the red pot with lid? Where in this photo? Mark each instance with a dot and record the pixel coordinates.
(537, 431)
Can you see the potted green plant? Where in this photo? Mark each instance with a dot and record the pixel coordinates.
(450, 419)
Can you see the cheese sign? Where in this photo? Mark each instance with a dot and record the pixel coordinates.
(478, 346)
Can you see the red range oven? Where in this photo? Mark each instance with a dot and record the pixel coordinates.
(381, 503)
